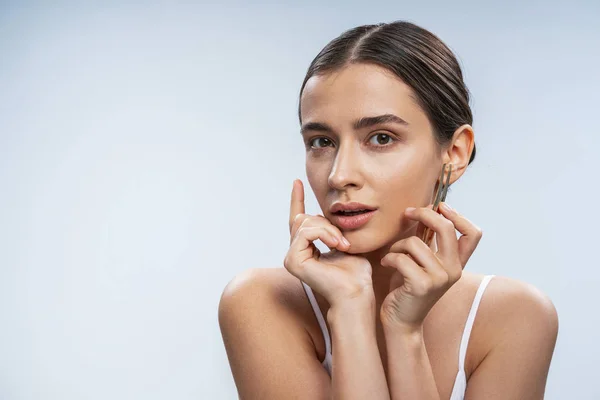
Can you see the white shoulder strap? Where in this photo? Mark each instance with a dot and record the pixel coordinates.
(470, 320)
(319, 315)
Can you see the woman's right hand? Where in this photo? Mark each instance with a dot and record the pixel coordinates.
(336, 275)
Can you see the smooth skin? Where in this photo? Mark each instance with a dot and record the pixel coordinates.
(395, 307)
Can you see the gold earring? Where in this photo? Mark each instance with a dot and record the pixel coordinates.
(440, 195)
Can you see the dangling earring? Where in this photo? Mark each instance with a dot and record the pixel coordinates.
(441, 189)
(442, 186)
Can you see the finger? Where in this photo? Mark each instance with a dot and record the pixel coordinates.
(314, 273)
(443, 227)
(308, 221)
(306, 235)
(441, 273)
(429, 236)
(302, 250)
(422, 230)
(410, 271)
(418, 250)
(344, 244)
(299, 220)
(297, 201)
(470, 233)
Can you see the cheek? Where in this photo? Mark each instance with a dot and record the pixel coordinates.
(405, 180)
(317, 175)
(397, 171)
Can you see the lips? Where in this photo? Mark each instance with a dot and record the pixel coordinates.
(352, 206)
(351, 213)
(349, 222)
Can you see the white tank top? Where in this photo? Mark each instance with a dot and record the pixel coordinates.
(460, 383)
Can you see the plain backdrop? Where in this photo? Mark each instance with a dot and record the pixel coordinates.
(147, 153)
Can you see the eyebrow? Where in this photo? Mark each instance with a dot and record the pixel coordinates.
(361, 123)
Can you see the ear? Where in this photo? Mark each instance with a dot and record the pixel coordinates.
(458, 152)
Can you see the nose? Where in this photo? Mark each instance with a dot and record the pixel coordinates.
(346, 168)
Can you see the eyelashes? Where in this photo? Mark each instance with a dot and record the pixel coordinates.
(324, 142)
(385, 135)
(324, 139)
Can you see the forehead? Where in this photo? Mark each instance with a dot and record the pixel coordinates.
(356, 91)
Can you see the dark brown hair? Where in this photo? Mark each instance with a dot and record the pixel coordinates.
(416, 56)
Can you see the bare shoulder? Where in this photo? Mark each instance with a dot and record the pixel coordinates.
(263, 325)
(274, 287)
(512, 311)
(514, 301)
(263, 294)
(513, 340)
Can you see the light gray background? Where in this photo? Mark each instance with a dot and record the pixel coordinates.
(147, 155)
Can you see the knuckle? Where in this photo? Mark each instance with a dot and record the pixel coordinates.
(448, 225)
(400, 258)
(320, 217)
(478, 232)
(337, 230)
(303, 231)
(333, 231)
(412, 241)
(304, 221)
(287, 263)
(394, 258)
(386, 260)
(424, 285)
(454, 276)
(297, 218)
(313, 231)
(297, 222)
(311, 221)
(320, 220)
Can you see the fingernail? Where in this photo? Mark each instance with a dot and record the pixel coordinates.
(410, 209)
(346, 242)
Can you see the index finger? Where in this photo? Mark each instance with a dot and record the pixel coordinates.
(441, 226)
(297, 201)
(471, 233)
(422, 229)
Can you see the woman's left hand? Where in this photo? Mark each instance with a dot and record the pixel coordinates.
(422, 276)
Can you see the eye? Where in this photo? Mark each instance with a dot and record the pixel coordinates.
(323, 141)
(381, 139)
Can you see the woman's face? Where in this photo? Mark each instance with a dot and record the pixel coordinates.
(389, 163)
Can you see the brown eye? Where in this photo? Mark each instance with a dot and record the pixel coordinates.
(324, 142)
(381, 139)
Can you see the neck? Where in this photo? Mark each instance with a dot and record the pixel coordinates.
(381, 276)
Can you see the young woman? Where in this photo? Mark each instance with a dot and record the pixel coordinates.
(383, 315)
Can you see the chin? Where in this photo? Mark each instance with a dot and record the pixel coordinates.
(362, 242)
(374, 239)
